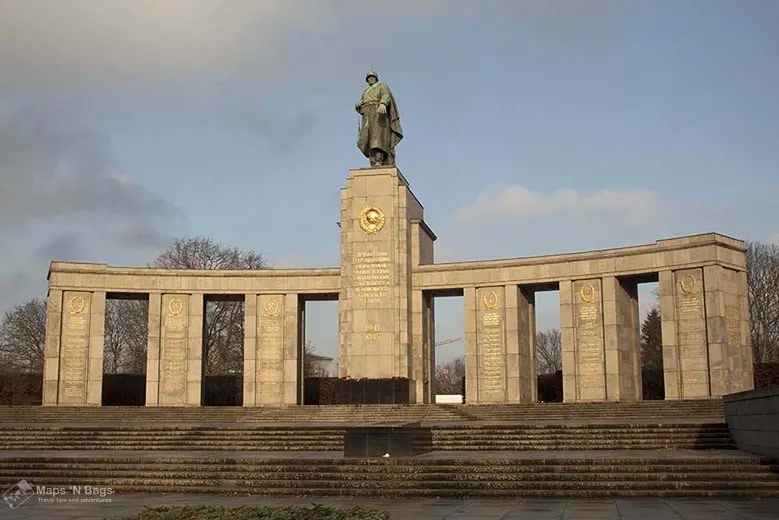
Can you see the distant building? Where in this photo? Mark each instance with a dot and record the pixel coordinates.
(321, 366)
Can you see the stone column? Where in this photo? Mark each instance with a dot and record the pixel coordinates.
(428, 349)
(273, 368)
(416, 358)
(196, 368)
(672, 370)
(181, 350)
(730, 363)
(588, 340)
(512, 333)
(51, 354)
(76, 364)
(622, 344)
(471, 349)
(422, 356)
(153, 343)
(691, 334)
(250, 350)
(748, 381)
(570, 368)
(293, 369)
(375, 303)
(526, 342)
(96, 339)
(491, 344)
(269, 350)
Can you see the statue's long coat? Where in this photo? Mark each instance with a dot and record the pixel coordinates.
(379, 131)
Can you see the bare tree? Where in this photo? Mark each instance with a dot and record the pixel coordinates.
(652, 341)
(549, 351)
(223, 337)
(449, 377)
(310, 367)
(23, 336)
(205, 253)
(763, 286)
(126, 332)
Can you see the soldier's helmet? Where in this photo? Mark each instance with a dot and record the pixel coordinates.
(371, 73)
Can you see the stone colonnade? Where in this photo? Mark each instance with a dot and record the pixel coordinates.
(385, 287)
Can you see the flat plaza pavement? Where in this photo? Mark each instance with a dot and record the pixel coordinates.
(122, 505)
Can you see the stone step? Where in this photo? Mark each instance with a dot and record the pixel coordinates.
(734, 477)
(304, 433)
(294, 479)
(462, 466)
(474, 437)
(532, 411)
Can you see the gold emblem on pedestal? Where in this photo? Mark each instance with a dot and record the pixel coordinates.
(490, 300)
(687, 283)
(271, 308)
(372, 220)
(175, 307)
(587, 293)
(77, 304)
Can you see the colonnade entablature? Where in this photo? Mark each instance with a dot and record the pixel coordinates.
(385, 288)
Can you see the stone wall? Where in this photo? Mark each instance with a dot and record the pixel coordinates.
(753, 420)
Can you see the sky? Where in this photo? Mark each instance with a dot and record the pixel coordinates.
(531, 127)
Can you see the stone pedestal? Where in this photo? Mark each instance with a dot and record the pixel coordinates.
(379, 219)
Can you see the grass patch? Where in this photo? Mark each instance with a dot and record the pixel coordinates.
(318, 512)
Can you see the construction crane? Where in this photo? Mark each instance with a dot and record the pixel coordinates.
(447, 341)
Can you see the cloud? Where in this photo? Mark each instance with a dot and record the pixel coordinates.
(518, 202)
(141, 40)
(63, 248)
(51, 167)
(88, 42)
(63, 197)
(140, 234)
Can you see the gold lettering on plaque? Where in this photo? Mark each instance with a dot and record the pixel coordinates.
(687, 283)
(372, 332)
(372, 275)
(175, 307)
(271, 308)
(77, 304)
(587, 293)
(490, 300)
(733, 324)
(492, 362)
(372, 220)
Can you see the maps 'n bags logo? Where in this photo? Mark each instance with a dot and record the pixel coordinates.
(18, 494)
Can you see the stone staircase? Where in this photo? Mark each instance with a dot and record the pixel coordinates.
(646, 449)
(229, 414)
(654, 411)
(653, 475)
(464, 437)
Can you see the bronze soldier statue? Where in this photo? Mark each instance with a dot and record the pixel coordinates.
(380, 128)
